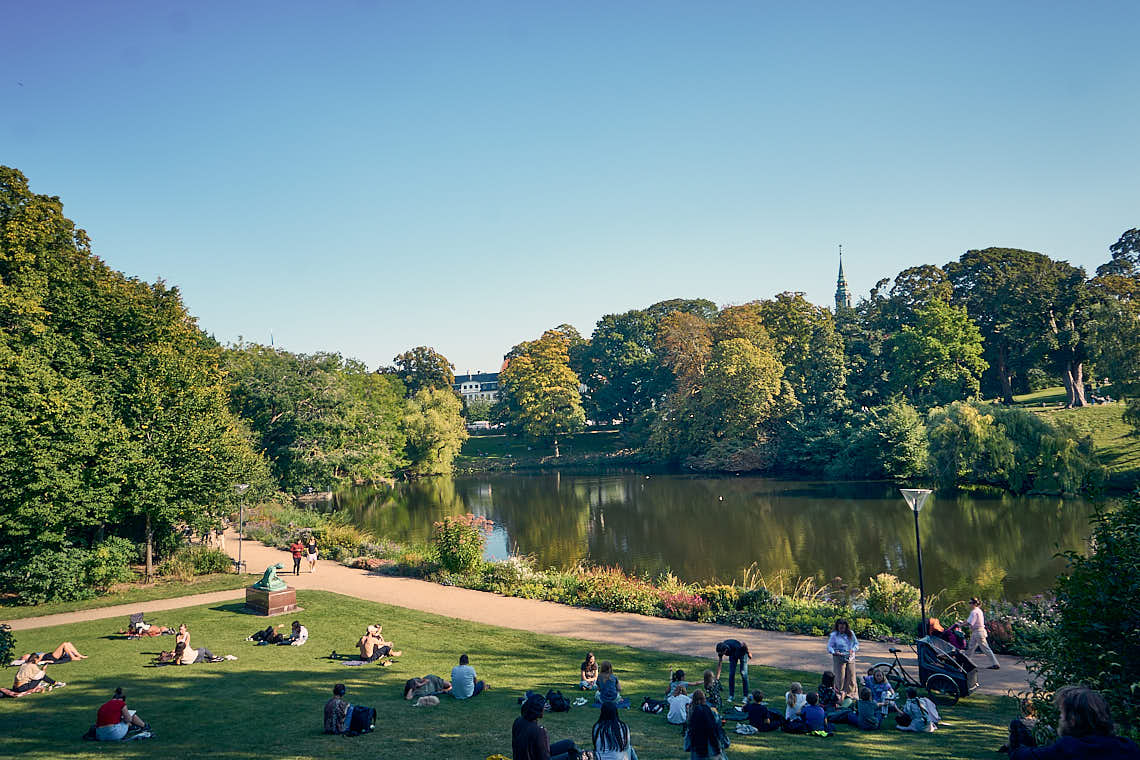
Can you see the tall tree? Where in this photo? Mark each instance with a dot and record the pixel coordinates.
(541, 391)
(424, 367)
(434, 425)
(937, 358)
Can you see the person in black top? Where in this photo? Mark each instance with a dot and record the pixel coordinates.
(702, 728)
(761, 718)
(528, 736)
(1085, 728)
(738, 656)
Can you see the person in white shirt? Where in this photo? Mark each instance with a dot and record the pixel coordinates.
(794, 701)
(679, 706)
(977, 623)
(298, 636)
(842, 646)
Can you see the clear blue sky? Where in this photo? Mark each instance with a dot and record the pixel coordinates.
(364, 177)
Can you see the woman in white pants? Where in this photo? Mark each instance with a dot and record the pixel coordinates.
(977, 623)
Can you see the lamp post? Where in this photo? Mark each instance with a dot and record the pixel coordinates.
(241, 488)
(915, 499)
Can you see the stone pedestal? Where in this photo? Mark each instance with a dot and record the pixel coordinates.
(262, 602)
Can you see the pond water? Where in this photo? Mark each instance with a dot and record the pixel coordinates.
(717, 528)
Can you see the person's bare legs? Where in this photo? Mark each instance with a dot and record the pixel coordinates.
(137, 721)
(67, 648)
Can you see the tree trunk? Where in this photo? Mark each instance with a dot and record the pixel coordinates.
(1074, 378)
(149, 550)
(555, 448)
(1005, 378)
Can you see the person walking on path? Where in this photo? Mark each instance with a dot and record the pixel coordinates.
(842, 646)
(298, 550)
(978, 638)
(738, 656)
(311, 553)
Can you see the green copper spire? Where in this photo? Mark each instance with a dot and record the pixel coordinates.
(842, 292)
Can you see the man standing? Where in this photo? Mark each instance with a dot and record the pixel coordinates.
(298, 550)
(738, 656)
(464, 682)
(978, 638)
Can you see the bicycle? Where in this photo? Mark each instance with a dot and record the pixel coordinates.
(945, 673)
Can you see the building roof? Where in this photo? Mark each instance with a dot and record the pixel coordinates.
(477, 377)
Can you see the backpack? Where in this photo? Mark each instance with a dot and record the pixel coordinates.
(557, 702)
(363, 720)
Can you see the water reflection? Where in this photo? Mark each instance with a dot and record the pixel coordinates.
(714, 528)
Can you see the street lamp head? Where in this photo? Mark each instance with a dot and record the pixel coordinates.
(241, 488)
(915, 497)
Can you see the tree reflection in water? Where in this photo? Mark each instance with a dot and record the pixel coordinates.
(707, 529)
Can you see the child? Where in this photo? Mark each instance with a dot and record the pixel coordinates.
(761, 718)
(609, 689)
(712, 690)
(882, 692)
(915, 715)
(679, 706)
(866, 715)
(828, 698)
(813, 715)
(794, 701)
(677, 679)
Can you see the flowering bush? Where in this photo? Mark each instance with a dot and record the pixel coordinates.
(684, 606)
(609, 588)
(459, 541)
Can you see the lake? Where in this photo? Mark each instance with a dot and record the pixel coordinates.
(716, 528)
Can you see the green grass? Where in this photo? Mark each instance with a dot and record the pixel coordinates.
(1049, 396)
(478, 449)
(268, 704)
(162, 589)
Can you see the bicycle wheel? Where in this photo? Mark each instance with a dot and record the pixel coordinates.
(893, 673)
(942, 690)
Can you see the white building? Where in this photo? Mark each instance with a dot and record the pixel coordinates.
(478, 386)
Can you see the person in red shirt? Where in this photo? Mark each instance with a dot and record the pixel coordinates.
(298, 550)
(113, 719)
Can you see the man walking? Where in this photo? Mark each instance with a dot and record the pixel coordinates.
(978, 638)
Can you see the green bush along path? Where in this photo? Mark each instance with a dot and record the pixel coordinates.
(268, 704)
(164, 589)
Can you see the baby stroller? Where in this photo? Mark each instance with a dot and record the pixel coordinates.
(944, 670)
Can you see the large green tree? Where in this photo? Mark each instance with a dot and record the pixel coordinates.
(423, 367)
(540, 391)
(435, 429)
(937, 357)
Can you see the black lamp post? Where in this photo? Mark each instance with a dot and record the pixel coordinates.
(915, 499)
(241, 488)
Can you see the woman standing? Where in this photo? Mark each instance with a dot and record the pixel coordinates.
(611, 736)
(311, 553)
(842, 645)
(978, 638)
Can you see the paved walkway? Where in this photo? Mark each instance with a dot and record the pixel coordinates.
(779, 650)
(125, 610)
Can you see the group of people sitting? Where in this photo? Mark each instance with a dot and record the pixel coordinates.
(373, 647)
(31, 677)
(184, 654)
(464, 684)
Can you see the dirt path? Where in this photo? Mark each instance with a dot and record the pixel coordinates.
(779, 650)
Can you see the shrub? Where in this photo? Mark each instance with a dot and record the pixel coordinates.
(1095, 640)
(110, 562)
(683, 605)
(52, 576)
(459, 541)
(887, 595)
(7, 643)
(755, 599)
(720, 598)
(190, 561)
(608, 588)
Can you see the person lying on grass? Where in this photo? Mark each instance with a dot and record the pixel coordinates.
(298, 635)
(184, 655)
(31, 676)
(428, 686)
(113, 720)
(65, 652)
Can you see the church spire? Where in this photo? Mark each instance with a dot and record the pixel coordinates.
(842, 292)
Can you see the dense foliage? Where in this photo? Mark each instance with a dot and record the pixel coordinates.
(1095, 639)
(540, 394)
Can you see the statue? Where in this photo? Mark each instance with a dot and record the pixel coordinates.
(270, 581)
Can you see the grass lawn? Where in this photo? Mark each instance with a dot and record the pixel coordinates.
(162, 589)
(268, 704)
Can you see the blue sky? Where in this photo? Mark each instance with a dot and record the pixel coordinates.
(364, 177)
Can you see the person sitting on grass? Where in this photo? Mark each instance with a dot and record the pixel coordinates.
(113, 720)
(428, 686)
(184, 655)
(915, 715)
(759, 716)
(611, 736)
(1085, 729)
(703, 725)
(298, 635)
(31, 676)
(866, 715)
(609, 689)
(65, 652)
(794, 701)
(881, 691)
(373, 646)
(465, 684)
(679, 706)
(589, 680)
(828, 697)
(814, 716)
(675, 680)
(529, 740)
(338, 712)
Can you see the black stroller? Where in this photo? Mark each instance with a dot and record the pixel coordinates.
(945, 672)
